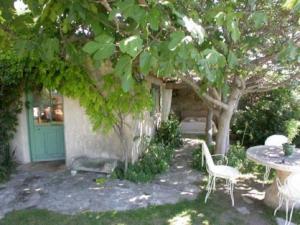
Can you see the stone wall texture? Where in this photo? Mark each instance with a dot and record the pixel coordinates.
(185, 103)
(82, 140)
(20, 143)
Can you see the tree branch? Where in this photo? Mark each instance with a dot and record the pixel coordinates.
(105, 5)
(215, 94)
(269, 87)
(204, 96)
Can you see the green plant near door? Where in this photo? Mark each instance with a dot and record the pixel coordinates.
(11, 86)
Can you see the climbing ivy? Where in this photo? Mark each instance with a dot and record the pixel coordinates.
(11, 87)
(228, 48)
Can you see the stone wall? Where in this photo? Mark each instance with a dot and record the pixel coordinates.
(82, 140)
(185, 103)
(20, 143)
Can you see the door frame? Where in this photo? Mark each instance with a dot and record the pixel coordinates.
(30, 127)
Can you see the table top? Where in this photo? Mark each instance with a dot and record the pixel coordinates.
(273, 157)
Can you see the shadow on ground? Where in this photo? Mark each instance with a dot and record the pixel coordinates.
(38, 196)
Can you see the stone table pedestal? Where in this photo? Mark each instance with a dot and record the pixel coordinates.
(273, 157)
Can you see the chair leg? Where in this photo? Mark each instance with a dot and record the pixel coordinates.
(266, 175)
(279, 205)
(209, 187)
(214, 183)
(286, 212)
(231, 186)
(291, 214)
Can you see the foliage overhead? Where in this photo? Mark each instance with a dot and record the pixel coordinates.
(155, 36)
(250, 45)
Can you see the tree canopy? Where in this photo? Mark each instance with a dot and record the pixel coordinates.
(222, 49)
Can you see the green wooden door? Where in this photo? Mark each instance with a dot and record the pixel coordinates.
(46, 126)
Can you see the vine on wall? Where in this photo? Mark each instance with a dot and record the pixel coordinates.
(11, 89)
(105, 101)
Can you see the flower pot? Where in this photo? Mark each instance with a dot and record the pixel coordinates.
(288, 149)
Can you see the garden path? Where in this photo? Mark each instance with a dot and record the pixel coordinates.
(58, 191)
(53, 188)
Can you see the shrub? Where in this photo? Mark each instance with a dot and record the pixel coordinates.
(169, 132)
(154, 160)
(262, 115)
(236, 158)
(292, 128)
(197, 159)
(11, 82)
(157, 156)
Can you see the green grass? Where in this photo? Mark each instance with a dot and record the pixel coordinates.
(217, 211)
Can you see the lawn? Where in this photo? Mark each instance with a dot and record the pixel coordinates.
(216, 211)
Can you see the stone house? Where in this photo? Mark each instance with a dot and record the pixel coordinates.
(54, 127)
(190, 109)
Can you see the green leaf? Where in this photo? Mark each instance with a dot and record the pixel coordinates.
(90, 47)
(154, 19)
(289, 4)
(124, 71)
(50, 47)
(130, 9)
(176, 39)
(195, 29)
(232, 26)
(260, 19)
(166, 68)
(21, 47)
(232, 60)
(213, 57)
(210, 74)
(289, 53)
(97, 29)
(148, 60)
(102, 48)
(145, 62)
(252, 4)
(132, 45)
(220, 18)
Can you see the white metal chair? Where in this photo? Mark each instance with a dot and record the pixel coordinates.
(289, 192)
(274, 140)
(228, 173)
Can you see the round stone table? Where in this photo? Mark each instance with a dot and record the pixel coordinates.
(273, 157)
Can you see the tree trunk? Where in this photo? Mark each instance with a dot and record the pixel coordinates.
(119, 129)
(209, 128)
(125, 149)
(222, 140)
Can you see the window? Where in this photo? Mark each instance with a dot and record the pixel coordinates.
(155, 92)
(47, 107)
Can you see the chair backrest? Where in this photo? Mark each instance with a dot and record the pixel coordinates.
(208, 158)
(293, 184)
(276, 140)
(290, 187)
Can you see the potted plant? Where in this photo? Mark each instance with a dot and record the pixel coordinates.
(292, 128)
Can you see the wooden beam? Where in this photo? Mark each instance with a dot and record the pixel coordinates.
(172, 85)
(154, 80)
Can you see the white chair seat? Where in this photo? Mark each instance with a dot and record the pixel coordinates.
(290, 193)
(226, 172)
(276, 140)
